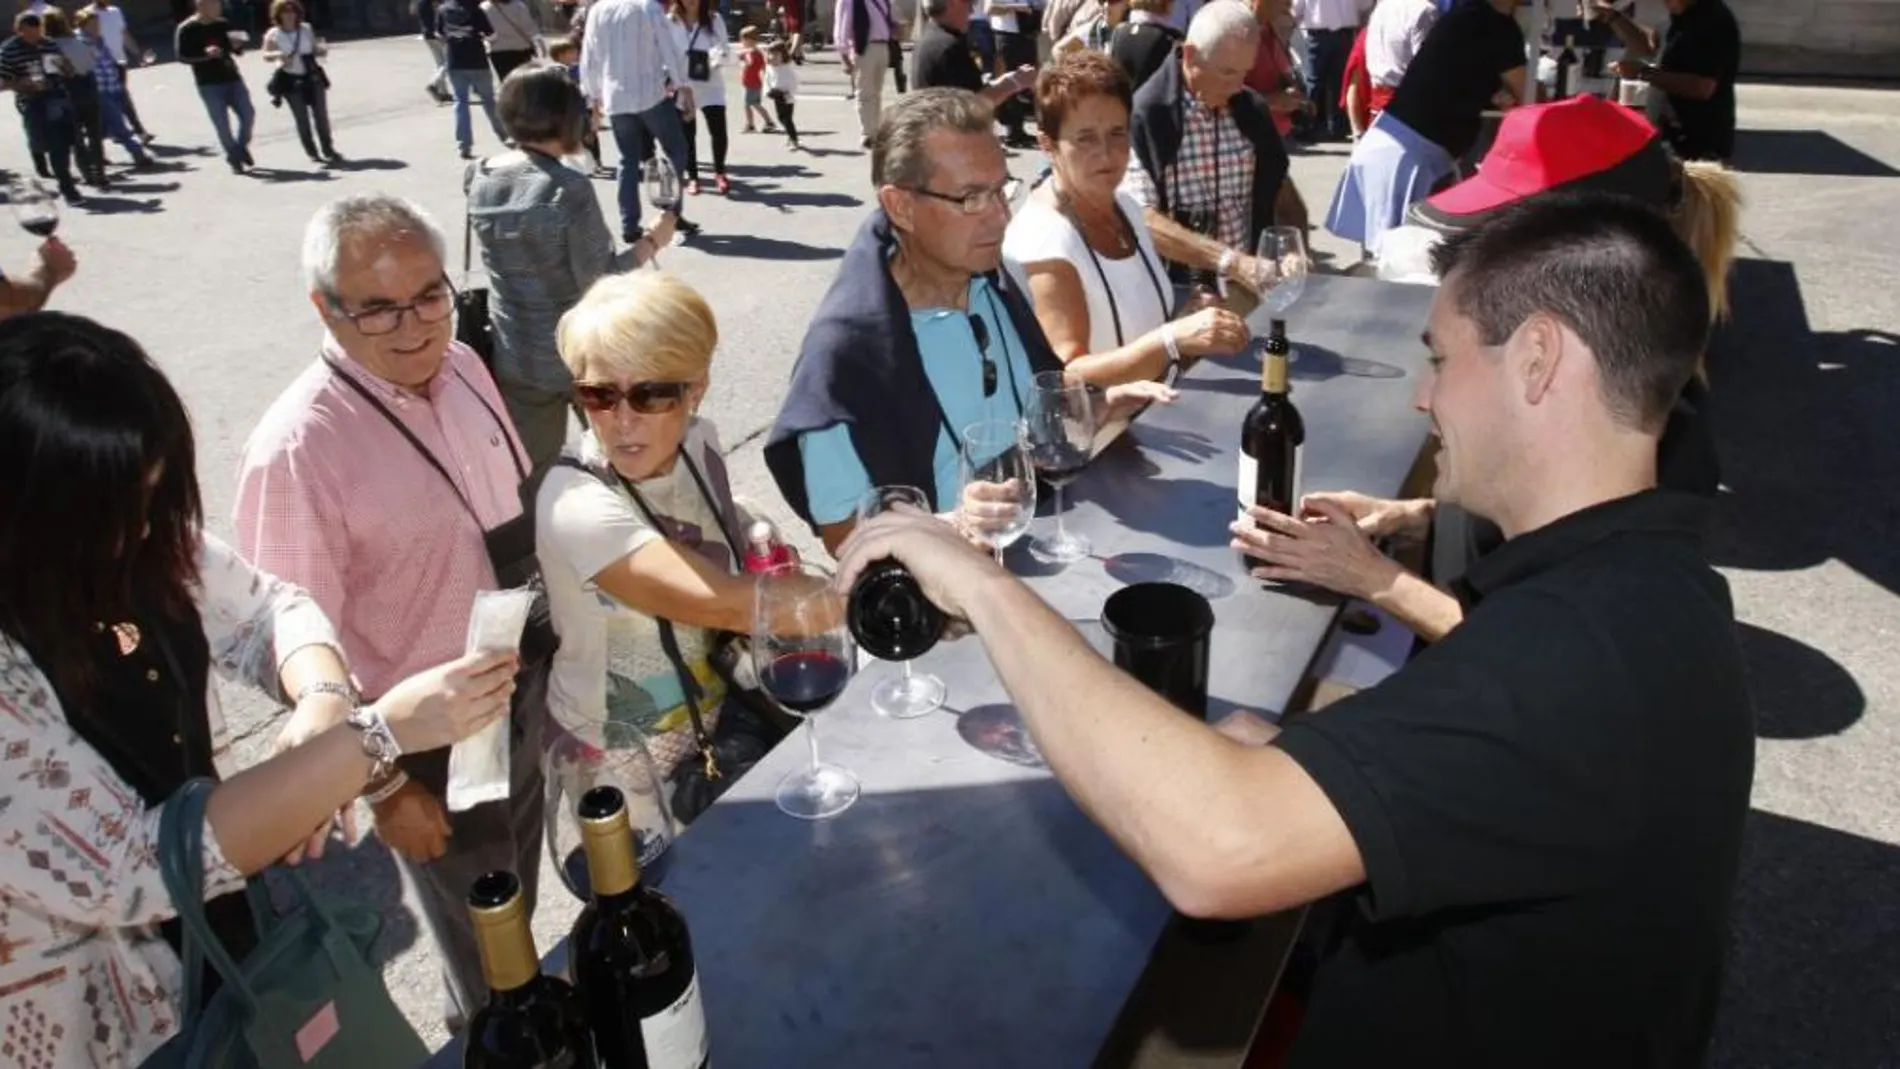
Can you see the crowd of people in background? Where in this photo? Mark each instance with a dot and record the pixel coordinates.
(576, 430)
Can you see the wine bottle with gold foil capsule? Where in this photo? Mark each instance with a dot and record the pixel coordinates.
(532, 1020)
(1270, 439)
(632, 958)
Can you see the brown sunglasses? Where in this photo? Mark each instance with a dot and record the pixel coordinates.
(645, 398)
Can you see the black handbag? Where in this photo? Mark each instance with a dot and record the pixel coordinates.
(698, 60)
(472, 325)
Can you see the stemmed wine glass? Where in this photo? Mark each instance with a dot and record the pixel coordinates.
(805, 657)
(35, 206)
(912, 694)
(1281, 279)
(999, 485)
(608, 753)
(661, 183)
(1061, 423)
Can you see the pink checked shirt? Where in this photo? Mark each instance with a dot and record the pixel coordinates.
(333, 498)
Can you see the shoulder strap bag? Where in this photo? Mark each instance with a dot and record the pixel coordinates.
(473, 327)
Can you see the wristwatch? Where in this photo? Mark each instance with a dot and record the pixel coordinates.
(379, 743)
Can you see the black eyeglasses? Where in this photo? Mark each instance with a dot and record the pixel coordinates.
(645, 398)
(974, 202)
(431, 307)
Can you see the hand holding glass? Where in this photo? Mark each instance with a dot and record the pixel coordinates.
(1281, 262)
(662, 183)
(999, 485)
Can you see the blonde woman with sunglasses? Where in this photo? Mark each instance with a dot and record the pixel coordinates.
(637, 523)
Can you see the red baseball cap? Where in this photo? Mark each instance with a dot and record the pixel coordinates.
(1583, 143)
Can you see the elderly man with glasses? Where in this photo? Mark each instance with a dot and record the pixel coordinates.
(386, 481)
(921, 334)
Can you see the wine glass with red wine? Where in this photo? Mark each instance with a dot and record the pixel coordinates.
(35, 206)
(1061, 421)
(805, 658)
(608, 753)
(888, 617)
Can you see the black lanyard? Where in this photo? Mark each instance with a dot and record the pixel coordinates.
(507, 436)
(1009, 365)
(1114, 309)
(705, 494)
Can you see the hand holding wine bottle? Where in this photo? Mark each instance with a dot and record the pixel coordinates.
(947, 568)
(1327, 550)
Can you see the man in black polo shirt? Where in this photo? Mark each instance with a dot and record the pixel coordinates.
(943, 59)
(1539, 819)
(1692, 81)
(205, 41)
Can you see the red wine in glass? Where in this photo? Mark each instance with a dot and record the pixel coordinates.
(806, 682)
(889, 615)
(35, 207)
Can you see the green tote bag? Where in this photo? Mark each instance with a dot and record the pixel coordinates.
(307, 996)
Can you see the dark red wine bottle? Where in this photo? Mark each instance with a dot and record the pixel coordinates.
(632, 957)
(1270, 439)
(532, 1020)
(889, 615)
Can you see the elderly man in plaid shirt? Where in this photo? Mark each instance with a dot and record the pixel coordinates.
(1208, 162)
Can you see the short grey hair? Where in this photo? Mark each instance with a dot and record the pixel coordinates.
(897, 152)
(1219, 22)
(364, 213)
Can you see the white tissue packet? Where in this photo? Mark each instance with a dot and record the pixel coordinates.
(478, 765)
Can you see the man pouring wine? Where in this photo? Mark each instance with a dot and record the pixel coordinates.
(1541, 815)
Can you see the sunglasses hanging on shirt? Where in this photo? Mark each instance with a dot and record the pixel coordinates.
(982, 333)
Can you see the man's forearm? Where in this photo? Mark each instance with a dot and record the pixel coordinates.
(1163, 785)
(1181, 245)
(1682, 84)
(1428, 611)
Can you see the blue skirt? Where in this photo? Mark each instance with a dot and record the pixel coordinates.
(1392, 167)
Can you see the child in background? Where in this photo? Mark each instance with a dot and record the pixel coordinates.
(752, 78)
(567, 53)
(781, 83)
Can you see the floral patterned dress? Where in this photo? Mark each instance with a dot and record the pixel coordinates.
(86, 979)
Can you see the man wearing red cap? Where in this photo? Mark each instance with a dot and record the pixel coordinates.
(1692, 81)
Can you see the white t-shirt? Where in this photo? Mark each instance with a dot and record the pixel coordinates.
(1394, 33)
(1039, 233)
(712, 92)
(112, 31)
(782, 78)
(611, 664)
(299, 42)
(1002, 21)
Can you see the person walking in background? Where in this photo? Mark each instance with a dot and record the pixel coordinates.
(126, 53)
(89, 150)
(36, 71)
(630, 66)
(424, 11)
(1015, 49)
(867, 39)
(300, 82)
(701, 35)
(943, 58)
(1330, 26)
(463, 28)
(1692, 79)
(781, 83)
(566, 54)
(1142, 44)
(204, 41)
(515, 35)
(752, 80)
(106, 76)
(1394, 34)
(543, 243)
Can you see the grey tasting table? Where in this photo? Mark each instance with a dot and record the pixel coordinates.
(964, 913)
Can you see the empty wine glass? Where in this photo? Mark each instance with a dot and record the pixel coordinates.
(35, 206)
(1061, 425)
(602, 754)
(912, 694)
(1281, 278)
(805, 657)
(999, 485)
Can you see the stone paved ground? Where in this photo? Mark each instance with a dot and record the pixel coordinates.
(202, 266)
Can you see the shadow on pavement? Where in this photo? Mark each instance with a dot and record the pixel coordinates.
(1804, 425)
(1799, 692)
(759, 248)
(171, 152)
(277, 176)
(1804, 152)
(368, 164)
(104, 204)
(1815, 954)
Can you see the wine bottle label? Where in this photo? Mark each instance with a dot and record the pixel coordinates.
(676, 1036)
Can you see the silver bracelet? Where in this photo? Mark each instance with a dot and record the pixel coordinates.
(379, 743)
(378, 793)
(329, 686)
